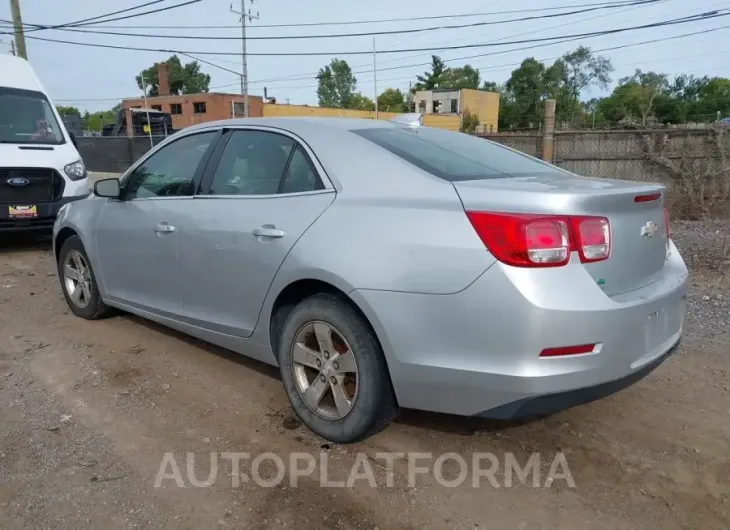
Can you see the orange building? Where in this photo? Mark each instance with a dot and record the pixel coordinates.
(191, 109)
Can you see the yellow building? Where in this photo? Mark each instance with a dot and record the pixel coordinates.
(451, 123)
(449, 102)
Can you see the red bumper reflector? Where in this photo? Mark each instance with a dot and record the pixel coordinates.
(567, 350)
(648, 198)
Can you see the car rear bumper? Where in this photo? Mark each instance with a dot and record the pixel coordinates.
(543, 405)
(47, 213)
(478, 350)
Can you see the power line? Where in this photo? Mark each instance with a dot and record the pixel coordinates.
(361, 34)
(381, 62)
(611, 48)
(39, 27)
(375, 21)
(695, 18)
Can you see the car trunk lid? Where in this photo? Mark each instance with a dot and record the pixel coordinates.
(635, 212)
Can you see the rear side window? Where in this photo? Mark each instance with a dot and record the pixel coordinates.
(455, 156)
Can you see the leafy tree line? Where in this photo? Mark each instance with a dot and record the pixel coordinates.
(91, 122)
(643, 98)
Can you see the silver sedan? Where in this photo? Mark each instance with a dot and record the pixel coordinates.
(383, 265)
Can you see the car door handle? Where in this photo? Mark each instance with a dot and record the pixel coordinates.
(164, 228)
(268, 231)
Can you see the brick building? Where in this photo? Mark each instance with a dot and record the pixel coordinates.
(191, 109)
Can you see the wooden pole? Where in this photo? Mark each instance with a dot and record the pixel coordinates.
(547, 136)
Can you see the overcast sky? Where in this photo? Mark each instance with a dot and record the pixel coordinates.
(96, 79)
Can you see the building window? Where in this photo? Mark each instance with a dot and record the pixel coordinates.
(454, 106)
(436, 106)
(157, 107)
(175, 108)
(199, 108)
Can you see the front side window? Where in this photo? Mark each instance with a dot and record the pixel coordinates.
(456, 156)
(170, 171)
(26, 117)
(252, 163)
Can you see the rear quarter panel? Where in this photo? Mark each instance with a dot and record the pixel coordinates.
(392, 226)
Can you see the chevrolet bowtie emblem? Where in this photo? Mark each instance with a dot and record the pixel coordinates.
(649, 229)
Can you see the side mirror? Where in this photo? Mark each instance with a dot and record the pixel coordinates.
(107, 188)
(74, 141)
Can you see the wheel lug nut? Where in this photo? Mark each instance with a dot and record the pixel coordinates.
(319, 363)
(333, 380)
(326, 355)
(336, 366)
(323, 378)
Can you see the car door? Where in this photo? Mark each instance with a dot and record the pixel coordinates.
(254, 204)
(137, 235)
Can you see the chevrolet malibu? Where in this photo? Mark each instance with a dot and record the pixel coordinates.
(382, 265)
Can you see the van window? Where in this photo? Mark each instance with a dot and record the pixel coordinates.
(26, 117)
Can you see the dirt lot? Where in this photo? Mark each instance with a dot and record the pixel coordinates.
(89, 409)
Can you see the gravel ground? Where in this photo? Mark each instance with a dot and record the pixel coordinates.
(89, 410)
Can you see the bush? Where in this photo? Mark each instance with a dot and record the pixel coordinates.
(469, 122)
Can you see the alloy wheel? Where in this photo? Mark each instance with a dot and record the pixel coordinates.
(325, 370)
(77, 278)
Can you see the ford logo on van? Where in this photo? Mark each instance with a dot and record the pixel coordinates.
(18, 182)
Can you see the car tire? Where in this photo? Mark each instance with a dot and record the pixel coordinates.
(373, 405)
(88, 303)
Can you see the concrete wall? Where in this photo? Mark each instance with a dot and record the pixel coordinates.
(113, 153)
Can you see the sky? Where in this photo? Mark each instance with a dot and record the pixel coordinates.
(95, 79)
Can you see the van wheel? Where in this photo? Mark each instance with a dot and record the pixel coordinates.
(334, 371)
(78, 281)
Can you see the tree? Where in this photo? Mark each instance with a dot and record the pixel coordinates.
(526, 88)
(391, 100)
(636, 94)
(582, 70)
(432, 79)
(336, 85)
(181, 79)
(95, 122)
(68, 111)
(360, 102)
(491, 86)
(462, 77)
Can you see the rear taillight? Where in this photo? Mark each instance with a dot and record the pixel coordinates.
(536, 240)
(666, 223)
(594, 238)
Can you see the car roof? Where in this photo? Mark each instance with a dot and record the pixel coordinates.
(300, 123)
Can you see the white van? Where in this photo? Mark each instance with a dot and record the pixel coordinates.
(40, 168)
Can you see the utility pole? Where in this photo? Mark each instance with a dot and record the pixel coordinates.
(18, 26)
(375, 80)
(244, 61)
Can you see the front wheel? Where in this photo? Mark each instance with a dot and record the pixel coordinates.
(334, 371)
(78, 281)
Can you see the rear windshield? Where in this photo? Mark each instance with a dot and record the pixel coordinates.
(455, 156)
(26, 117)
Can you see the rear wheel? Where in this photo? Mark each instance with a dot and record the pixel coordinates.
(334, 371)
(78, 281)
